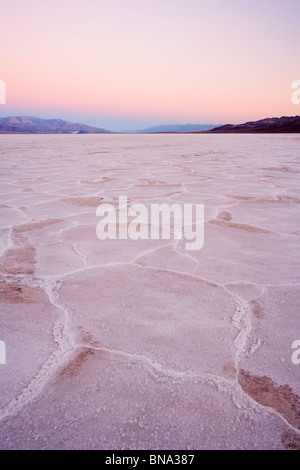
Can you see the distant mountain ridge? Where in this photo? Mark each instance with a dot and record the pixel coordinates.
(169, 128)
(284, 124)
(35, 125)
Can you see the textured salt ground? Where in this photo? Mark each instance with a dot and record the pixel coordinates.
(27, 321)
(166, 303)
(270, 312)
(107, 401)
(125, 344)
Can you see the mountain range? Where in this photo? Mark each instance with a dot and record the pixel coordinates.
(285, 124)
(176, 128)
(34, 125)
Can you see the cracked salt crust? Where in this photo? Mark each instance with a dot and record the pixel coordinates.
(141, 344)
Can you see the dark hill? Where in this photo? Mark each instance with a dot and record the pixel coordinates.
(284, 124)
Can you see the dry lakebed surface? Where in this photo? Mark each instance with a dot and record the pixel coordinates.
(143, 344)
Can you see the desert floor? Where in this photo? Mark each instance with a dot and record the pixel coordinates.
(143, 344)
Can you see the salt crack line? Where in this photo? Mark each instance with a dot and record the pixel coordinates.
(8, 242)
(242, 401)
(82, 256)
(36, 385)
(242, 321)
(66, 345)
(19, 211)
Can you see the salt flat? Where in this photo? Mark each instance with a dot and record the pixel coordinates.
(142, 344)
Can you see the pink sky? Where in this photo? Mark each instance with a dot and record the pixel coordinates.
(123, 64)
